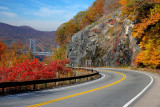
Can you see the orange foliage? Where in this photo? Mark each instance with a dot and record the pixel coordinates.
(94, 12)
(14, 55)
(147, 29)
(81, 20)
(111, 5)
(65, 31)
(84, 18)
(149, 56)
(156, 1)
(123, 3)
(2, 48)
(154, 17)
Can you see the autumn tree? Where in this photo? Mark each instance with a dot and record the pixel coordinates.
(59, 53)
(14, 55)
(65, 31)
(111, 5)
(81, 20)
(2, 49)
(146, 14)
(94, 12)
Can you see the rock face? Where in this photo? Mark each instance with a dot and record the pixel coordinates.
(107, 42)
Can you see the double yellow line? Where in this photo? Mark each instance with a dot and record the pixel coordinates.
(70, 96)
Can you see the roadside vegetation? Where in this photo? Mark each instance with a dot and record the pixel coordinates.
(16, 66)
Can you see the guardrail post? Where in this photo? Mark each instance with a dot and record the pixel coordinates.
(55, 84)
(3, 91)
(76, 75)
(34, 86)
(56, 77)
(45, 85)
(63, 76)
(20, 88)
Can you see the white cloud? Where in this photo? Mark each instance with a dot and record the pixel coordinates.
(77, 6)
(42, 25)
(9, 14)
(4, 8)
(48, 12)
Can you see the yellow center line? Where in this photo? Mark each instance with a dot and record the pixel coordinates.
(81, 93)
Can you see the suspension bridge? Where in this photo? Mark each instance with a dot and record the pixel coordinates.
(37, 48)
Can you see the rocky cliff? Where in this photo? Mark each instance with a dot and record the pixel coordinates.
(107, 42)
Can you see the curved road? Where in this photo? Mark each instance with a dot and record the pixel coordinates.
(116, 88)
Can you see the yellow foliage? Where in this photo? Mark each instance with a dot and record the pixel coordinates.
(123, 3)
(147, 12)
(58, 54)
(14, 55)
(150, 48)
(149, 56)
(2, 48)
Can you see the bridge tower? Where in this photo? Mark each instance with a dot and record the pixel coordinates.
(32, 48)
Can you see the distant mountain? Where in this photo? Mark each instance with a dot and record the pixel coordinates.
(10, 34)
(26, 27)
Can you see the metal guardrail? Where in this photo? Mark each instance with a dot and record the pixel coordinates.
(4, 85)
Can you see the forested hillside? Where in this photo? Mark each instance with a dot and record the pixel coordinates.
(139, 21)
(85, 18)
(11, 34)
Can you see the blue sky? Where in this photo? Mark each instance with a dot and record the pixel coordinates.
(44, 15)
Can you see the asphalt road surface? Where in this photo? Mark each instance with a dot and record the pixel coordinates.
(116, 88)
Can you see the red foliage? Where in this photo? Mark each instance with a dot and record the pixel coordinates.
(33, 70)
(117, 63)
(111, 23)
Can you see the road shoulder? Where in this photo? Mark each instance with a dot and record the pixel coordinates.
(152, 97)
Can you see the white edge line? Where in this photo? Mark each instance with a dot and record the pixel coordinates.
(139, 94)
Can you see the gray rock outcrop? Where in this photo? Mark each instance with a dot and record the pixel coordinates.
(107, 42)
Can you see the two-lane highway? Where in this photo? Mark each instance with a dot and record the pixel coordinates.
(116, 88)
